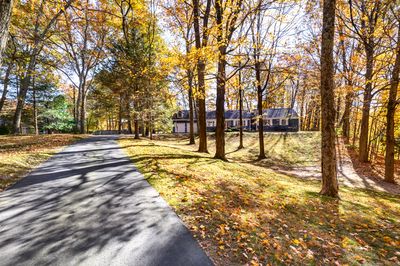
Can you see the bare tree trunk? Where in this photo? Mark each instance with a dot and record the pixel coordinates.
(201, 102)
(261, 154)
(25, 83)
(302, 120)
(137, 129)
(150, 127)
(5, 14)
(128, 114)
(120, 114)
(201, 43)
(143, 127)
(5, 87)
(349, 95)
(83, 113)
(338, 104)
(220, 110)
(221, 83)
(35, 112)
(330, 186)
(240, 110)
(76, 111)
(191, 111)
(88, 121)
(363, 144)
(346, 116)
(391, 110)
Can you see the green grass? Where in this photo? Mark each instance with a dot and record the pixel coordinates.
(20, 154)
(281, 149)
(242, 212)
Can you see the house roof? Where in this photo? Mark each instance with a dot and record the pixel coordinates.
(280, 113)
(182, 115)
(234, 114)
(230, 114)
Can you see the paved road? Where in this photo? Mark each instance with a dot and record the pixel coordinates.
(88, 205)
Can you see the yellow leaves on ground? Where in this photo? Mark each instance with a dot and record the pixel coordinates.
(20, 154)
(243, 213)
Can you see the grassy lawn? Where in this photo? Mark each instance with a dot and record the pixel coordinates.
(242, 212)
(20, 154)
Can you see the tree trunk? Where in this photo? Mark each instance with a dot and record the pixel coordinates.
(201, 43)
(363, 143)
(330, 186)
(391, 110)
(221, 79)
(76, 111)
(220, 107)
(339, 102)
(5, 87)
(261, 154)
(349, 95)
(128, 115)
(83, 111)
(346, 116)
(302, 122)
(35, 112)
(5, 14)
(240, 111)
(191, 111)
(25, 83)
(202, 130)
(120, 114)
(137, 129)
(143, 128)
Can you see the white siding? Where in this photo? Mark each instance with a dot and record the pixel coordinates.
(180, 127)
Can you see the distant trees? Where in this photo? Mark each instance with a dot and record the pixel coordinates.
(267, 29)
(180, 20)
(36, 27)
(133, 75)
(365, 18)
(82, 35)
(244, 55)
(56, 115)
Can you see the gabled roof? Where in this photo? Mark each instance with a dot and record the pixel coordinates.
(280, 113)
(183, 115)
(230, 114)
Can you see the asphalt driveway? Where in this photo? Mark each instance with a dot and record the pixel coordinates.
(88, 205)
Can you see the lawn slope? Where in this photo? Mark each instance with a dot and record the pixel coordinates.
(242, 212)
(20, 154)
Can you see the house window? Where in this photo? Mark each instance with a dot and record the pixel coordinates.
(284, 122)
(275, 122)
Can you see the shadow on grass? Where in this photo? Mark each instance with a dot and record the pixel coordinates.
(279, 225)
